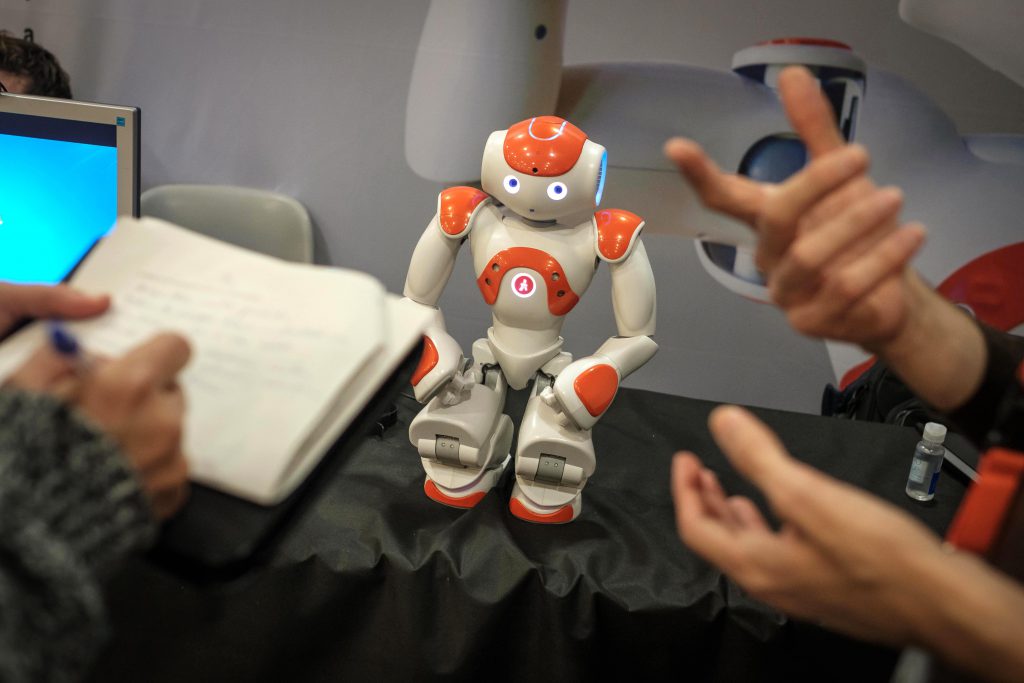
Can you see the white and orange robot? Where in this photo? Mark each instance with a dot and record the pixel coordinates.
(531, 269)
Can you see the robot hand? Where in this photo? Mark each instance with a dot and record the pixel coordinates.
(441, 368)
(583, 391)
(458, 388)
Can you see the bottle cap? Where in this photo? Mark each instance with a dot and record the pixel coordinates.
(934, 432)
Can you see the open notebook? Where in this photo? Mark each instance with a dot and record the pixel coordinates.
(285, 355)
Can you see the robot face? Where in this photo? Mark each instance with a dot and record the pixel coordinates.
(544, 168)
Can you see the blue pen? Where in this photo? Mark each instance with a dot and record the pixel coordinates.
(65, 344)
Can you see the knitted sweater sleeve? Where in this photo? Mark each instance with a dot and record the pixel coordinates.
(70, 509)
(994, 415)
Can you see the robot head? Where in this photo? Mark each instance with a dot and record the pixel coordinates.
(544, 168)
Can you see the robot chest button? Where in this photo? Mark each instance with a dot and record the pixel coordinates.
(561, 298)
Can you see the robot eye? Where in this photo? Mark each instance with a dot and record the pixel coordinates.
(512, 184)
(557, 191)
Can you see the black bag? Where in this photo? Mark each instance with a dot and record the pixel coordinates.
(878, 395)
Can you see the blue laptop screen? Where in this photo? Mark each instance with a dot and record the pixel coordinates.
(58, 194)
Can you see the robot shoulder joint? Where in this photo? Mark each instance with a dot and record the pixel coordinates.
(616, 232)
(457, 207)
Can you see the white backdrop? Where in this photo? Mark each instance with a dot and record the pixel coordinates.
(307, 97)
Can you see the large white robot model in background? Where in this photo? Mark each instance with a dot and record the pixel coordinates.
(532, 263)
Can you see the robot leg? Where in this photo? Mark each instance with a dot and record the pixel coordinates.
(464, 447)
(553, 463)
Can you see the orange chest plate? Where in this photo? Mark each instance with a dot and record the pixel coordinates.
(561, 298)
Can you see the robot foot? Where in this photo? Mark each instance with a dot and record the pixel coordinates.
(525, 509)
(466, 496)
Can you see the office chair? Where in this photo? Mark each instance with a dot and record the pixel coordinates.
(259, 220)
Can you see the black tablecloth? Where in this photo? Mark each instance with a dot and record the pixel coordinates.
(373, 581)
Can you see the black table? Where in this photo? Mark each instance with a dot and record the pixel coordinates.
(373, 581)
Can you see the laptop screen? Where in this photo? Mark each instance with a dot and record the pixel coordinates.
(60, 187)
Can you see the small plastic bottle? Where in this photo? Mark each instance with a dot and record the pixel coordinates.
(924, 470)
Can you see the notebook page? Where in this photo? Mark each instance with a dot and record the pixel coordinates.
(405, 326)
(273, 342)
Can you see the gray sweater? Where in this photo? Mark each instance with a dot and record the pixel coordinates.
(70, 509)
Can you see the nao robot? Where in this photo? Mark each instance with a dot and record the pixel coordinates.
(531, 269)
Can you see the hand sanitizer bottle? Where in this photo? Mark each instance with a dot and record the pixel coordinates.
(924, 470)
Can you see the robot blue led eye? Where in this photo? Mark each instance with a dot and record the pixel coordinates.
(511, 184)
(557, 191)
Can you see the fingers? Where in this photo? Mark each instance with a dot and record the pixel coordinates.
(820, 178)
(153, 445)
(167, 487)
(685, 481)
(786, 205)
(804, 262)
(809, 112)
(820, 511)
(714, 497)
(696, 523)
(138, 402)
(836, 202)
(750, 445)
(735, 195)
(42, 372)
(120, 389)
(854, 282)
(60, 301)
(142, 412)
(165, 479)
(797, 493)
(154, 363)
(747, 514)
(720, 529)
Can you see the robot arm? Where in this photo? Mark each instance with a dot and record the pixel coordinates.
(442, 359)
(585, 389)
(432, 263)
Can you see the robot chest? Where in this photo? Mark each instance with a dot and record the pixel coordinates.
(517, 276)
(519, 270)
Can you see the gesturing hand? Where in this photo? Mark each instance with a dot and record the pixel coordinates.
(841, 556)
(829, 243)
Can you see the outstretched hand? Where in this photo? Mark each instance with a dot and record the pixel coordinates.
(841, 557)
(829, 242)
(844, 558)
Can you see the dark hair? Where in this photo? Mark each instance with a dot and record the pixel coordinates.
(25, 58)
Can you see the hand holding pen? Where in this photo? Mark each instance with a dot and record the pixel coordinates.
(135, 399)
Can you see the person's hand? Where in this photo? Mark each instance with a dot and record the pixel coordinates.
(844, 274)
(841, 557)
(844, 558)
(836, 259)
(136, 401)
(42, 301)
(829, 242)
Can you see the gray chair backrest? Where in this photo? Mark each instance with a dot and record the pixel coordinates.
(260, 220)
